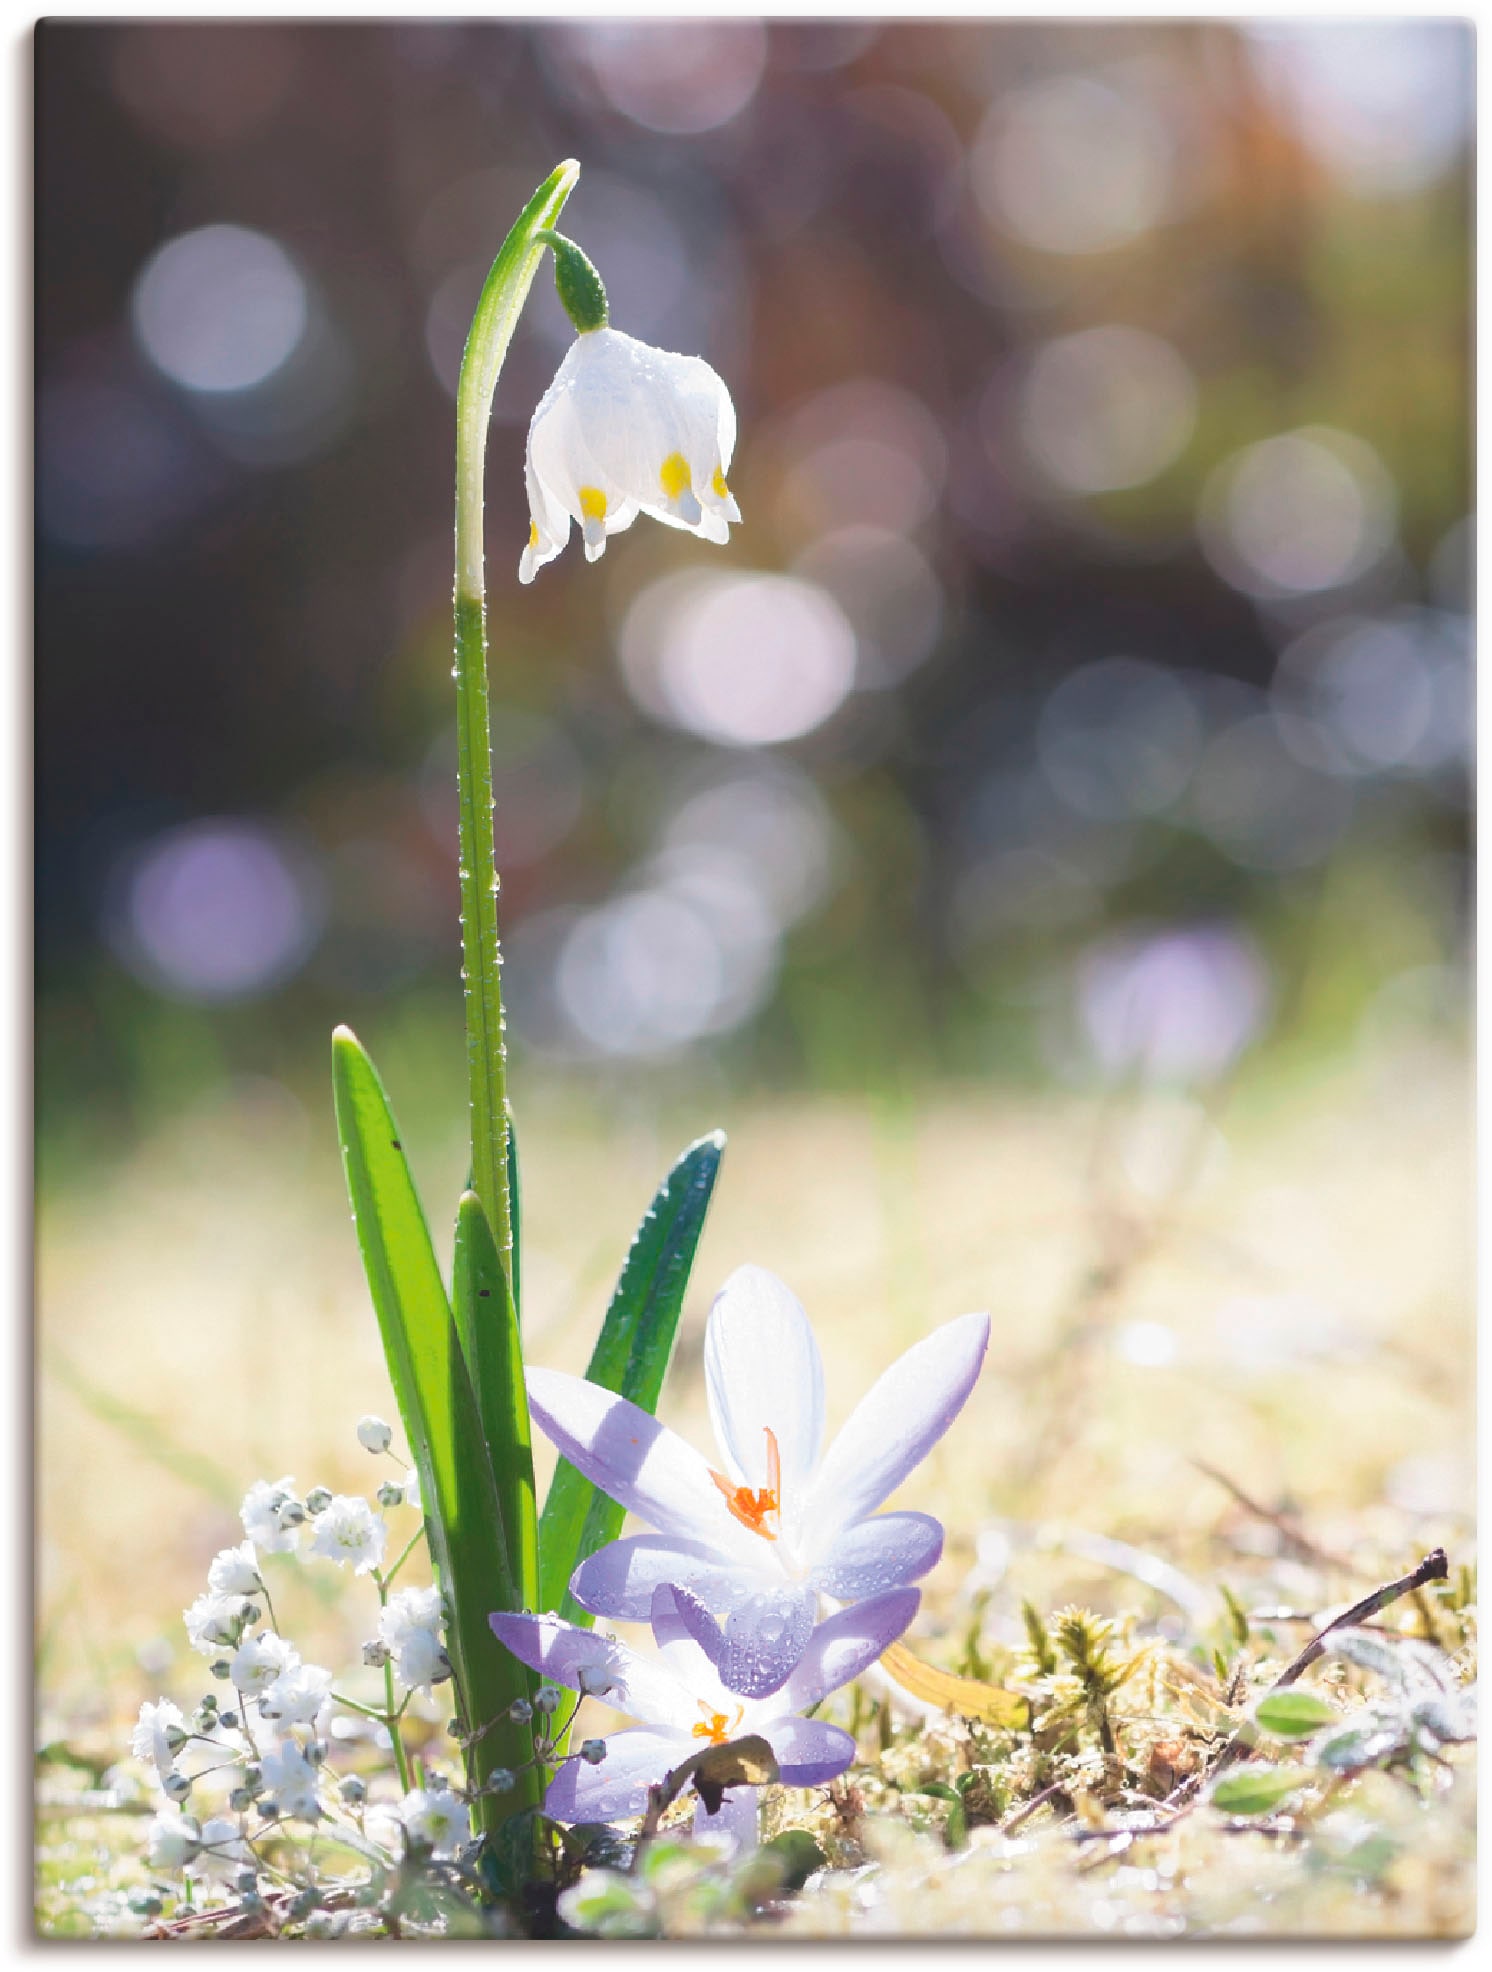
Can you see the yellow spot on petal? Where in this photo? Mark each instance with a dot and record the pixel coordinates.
(674, 475)
(722, 491)
(592, 503)
(533, 535)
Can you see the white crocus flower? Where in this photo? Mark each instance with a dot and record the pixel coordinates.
(159, 1736)
(786, 1521)
(626, 429)
(349, 1530)
(234, 1571)
(682, 1704)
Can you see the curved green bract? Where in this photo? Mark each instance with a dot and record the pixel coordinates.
(441, 1421)
(631, 1356)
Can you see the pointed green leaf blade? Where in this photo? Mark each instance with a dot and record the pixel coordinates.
(488, 1328)
(631, 1356)
(438, 1406)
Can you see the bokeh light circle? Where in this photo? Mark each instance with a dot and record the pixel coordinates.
(745, 660)
(219, 309)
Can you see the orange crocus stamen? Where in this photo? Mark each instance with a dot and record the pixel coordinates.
(754, 1509)
(716, 1727)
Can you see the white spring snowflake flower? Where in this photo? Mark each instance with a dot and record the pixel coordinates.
(436, 1819)
(234, 1570)
(290, 1779)
(259, 1661)
(298, 1696)
(173, 1840)
(410, 1628)
(626, 429)
(349, 1530)
(260, 1514)
(159, 1735)
(214, 1621)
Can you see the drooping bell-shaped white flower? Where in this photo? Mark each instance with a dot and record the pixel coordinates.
(626, 429)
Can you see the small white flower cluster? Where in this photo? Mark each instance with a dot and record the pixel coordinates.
(262, 1757)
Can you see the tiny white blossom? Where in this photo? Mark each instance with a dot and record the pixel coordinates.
(412, 1491)
(626, 429)
(234, 1571)
(260, 1514)
(173, 1840)
(373, 1434)
(291, 1779)
(298, 1696)
(259, 1661)
(410, 1629)
(151, 1739)
(223, 1849)
(213, 1622)
(349, 1530)
(436, 1819)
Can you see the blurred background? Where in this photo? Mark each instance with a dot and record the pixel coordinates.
(1040, 837)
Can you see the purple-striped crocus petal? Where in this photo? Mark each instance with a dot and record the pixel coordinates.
(618, 1580)
(893, 1428)
(808, 1751)
(643, 1687)
(637, 1758)
(762, 1371)
(765, 1638)
(847, 1644)
(737, 1818)
(684, 1629)
(881, 1553)
(636, 1461)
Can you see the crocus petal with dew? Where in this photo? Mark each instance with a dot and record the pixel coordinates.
(785, 1521)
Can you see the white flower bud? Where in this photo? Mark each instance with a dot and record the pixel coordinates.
(353, 1790)
(501, 1781)
(376, 1653)
(520, 1711)
(318, 1499)
(373, 1434)
(390, 1495)
(594, 1681)
(291, 1514)
(593, 1752)
(546, 1700)
(176, 1786)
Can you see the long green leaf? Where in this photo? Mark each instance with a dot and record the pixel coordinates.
(488, 1328)
(631, 1355)
(439, 1409)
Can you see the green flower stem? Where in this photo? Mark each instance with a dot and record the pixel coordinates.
(492, 328)
(391, 1712)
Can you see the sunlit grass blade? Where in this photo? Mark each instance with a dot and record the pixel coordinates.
(515, 1217)
(631, 1356)
(439, 1409)
(488, 1328)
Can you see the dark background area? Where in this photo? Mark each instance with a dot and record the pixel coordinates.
(1087, 688)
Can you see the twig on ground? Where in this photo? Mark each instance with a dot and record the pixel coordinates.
(1434, 1568)
(1303, 1548)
